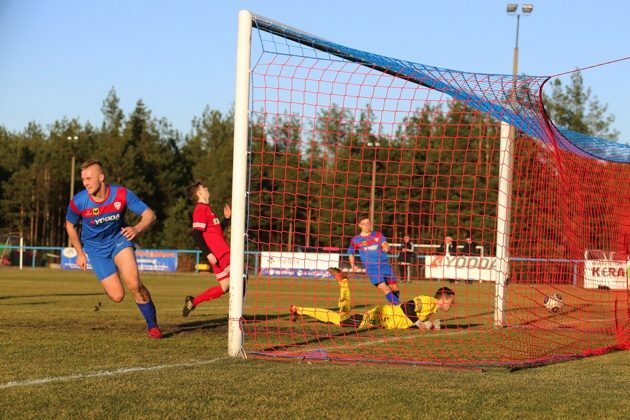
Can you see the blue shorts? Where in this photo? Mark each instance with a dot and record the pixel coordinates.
(102, 259)
(381, 273)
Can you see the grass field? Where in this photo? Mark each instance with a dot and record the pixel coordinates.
(59, 357)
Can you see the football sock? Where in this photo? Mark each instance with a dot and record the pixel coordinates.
(149, 313)
(344, 297)
(210, 294)
(320, 314)
(392, 298)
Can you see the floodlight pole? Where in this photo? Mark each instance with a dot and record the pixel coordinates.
(374, 146)
(72, 139)
(506, 175)
(239, 184)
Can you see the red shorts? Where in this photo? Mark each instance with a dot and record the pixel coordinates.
(222, 267)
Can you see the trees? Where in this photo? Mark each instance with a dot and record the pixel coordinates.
(572, 107)
(312, 176)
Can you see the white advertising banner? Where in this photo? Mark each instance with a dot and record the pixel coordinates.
(606, 274)
(461, 268)
(297, 264)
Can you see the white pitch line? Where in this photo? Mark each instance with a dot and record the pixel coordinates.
(102, 373)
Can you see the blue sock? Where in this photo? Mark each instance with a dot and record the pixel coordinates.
(149, 313)
(392, 298)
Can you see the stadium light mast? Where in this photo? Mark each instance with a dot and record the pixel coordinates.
(374, 145)
(72, 140)
(512, 9)
(506, 168)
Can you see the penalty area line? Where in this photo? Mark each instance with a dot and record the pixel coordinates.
(102, 373)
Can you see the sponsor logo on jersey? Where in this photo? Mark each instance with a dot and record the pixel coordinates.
(102, 220)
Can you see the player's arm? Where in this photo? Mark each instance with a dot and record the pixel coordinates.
(146, 220)
(351, 257)
(73, 235)
(201, 244)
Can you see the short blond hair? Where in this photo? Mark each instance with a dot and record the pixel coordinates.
(91, 162)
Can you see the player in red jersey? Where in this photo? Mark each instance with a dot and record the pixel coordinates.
(207, 231)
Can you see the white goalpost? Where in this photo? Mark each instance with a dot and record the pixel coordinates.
(239, 184)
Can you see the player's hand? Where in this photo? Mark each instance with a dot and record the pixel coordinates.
(385, 247)
(82, 260)
(227, 211)
(212, 259)
(426, 325)
(130, 232)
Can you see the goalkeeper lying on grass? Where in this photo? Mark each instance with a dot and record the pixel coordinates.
(415, 313)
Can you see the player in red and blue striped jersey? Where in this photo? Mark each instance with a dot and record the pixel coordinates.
(107, 240)
(373, 247)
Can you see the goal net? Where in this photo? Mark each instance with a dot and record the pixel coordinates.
(332, 137)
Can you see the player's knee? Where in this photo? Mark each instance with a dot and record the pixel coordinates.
(225, 285)
(116, 297)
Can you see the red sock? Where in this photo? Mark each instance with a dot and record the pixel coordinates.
(211, 293)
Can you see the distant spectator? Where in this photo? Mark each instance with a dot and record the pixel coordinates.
(406, 259)
(470, 247)
(448, 247)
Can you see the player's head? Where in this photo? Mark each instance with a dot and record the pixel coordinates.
(336, 273)
(469, 239)
(445, 298)
(197, 192)
(406, 238)
(365, 224)
(448, 239)
(92, 176)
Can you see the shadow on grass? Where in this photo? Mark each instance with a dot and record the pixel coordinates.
(29, 303)
(451, 326)
(211, 324)
(50, 295)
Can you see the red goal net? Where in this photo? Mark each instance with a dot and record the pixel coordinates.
(504, 218)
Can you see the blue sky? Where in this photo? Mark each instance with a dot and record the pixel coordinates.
(61, 57)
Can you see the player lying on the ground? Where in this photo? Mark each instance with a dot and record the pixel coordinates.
(415, 313)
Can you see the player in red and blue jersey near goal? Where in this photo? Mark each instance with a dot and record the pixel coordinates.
(207, 231)
(107, 241)
(373, 247)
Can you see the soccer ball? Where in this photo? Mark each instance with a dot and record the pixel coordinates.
(554, 303)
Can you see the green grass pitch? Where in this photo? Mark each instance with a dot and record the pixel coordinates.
(59, 357)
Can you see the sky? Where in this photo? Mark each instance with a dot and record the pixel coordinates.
(60, 58)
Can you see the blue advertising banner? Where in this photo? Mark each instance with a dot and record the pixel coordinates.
(148, 260)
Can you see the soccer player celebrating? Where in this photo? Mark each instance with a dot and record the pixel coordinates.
(373, 248)
(106, 239)
(208, 234)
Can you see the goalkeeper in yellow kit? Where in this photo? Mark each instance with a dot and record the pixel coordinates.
(415, 313)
